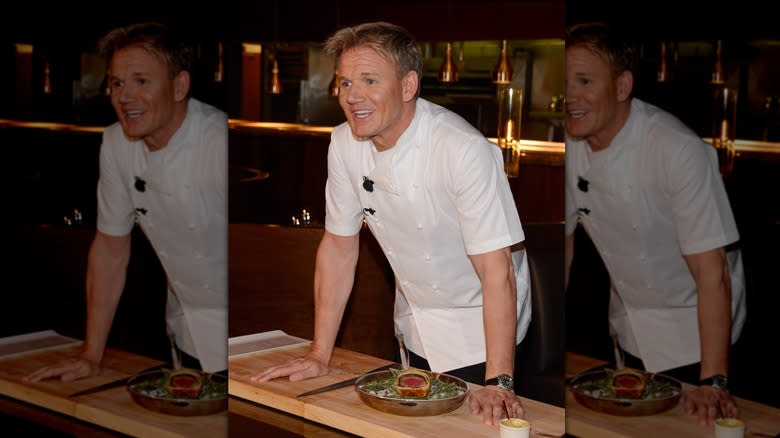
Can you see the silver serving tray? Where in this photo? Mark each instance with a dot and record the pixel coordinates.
(412, 407)
(623, 406)
(172, 405)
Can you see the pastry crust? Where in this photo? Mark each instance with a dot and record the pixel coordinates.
(413, 382)
(185, 383)
(628, 383)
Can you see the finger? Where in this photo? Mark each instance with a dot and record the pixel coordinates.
(487, 415)
(265, 375)
(517, 408)
(706, 415)
(43, 374)
(498, 412)
(474, 406)
(690, 406)
(733, 410)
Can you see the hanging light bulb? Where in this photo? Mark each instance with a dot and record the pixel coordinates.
(333, 87)
(449, 71)
(275, 86)
(503, 71)
(718, 75)
(663, 73)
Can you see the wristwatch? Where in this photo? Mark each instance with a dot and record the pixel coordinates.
(718, 381)
(502, 381)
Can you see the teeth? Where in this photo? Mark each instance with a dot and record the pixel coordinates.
(133, 114)
(576, 114)
(362, 113)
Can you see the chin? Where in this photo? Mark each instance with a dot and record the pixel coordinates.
(574, 131)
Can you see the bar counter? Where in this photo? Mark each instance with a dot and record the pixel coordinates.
(760, 420)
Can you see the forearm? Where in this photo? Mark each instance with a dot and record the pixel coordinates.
(106, 273)
(499, 310)
(333, 280)
(713, 285)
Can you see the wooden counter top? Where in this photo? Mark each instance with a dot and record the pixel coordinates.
(760, 420)
(113, 408)
(343, 409)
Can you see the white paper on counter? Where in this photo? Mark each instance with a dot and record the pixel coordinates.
(19, 344)
(242, 345)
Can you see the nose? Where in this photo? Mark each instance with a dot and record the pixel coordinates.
(125, 93)
(352, 94)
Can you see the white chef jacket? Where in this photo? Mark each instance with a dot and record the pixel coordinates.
(439, 194)
(652, 196)
(183, 212)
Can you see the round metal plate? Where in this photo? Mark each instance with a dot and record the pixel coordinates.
(174, 406)
(623, 406)
(412, 407)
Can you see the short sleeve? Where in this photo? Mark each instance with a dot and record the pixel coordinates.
(115, 207)
(486, 207)
(702, 213)
(343, 214)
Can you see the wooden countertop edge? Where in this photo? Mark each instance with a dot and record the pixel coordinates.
(321, 411)
(247, 391)
(39, 397)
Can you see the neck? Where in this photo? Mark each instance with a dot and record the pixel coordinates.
(388, 140)
(160, 139)
(604, 138)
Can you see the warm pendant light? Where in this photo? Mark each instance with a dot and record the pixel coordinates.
(449, 71)
(718, 75)
(275, 86)
(503, 71)
(46, 78)
(663, 73)
(219, 74)
(333, 87)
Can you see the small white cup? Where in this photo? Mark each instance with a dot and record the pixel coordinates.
(729, 428)
(514, 428)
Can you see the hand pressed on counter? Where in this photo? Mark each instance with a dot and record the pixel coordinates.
(489, 402)
(709, 404)
(301, 368)
(67, 370)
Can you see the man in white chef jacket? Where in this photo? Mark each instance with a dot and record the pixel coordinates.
(649, 194)
(433, 191)
(163, 167)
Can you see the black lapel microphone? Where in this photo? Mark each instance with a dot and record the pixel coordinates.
(368, 185)
(141, 210)
(582, 184)
(585, 210)
(140, 184)
(369, 210)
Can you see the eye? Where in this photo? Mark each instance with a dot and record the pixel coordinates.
(345, 84)
(370, 81)
(116, 83)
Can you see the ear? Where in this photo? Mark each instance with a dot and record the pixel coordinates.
(625, 84)
(181, 86)
(409, 84)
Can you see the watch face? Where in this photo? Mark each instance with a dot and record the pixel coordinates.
(720, 382)
(505, 382)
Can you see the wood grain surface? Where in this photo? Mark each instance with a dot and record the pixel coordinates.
(343, 409)
(760, 420)
(113, 408)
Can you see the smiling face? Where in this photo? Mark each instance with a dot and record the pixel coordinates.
(597, 102)
(149, 104)
(377, 103)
